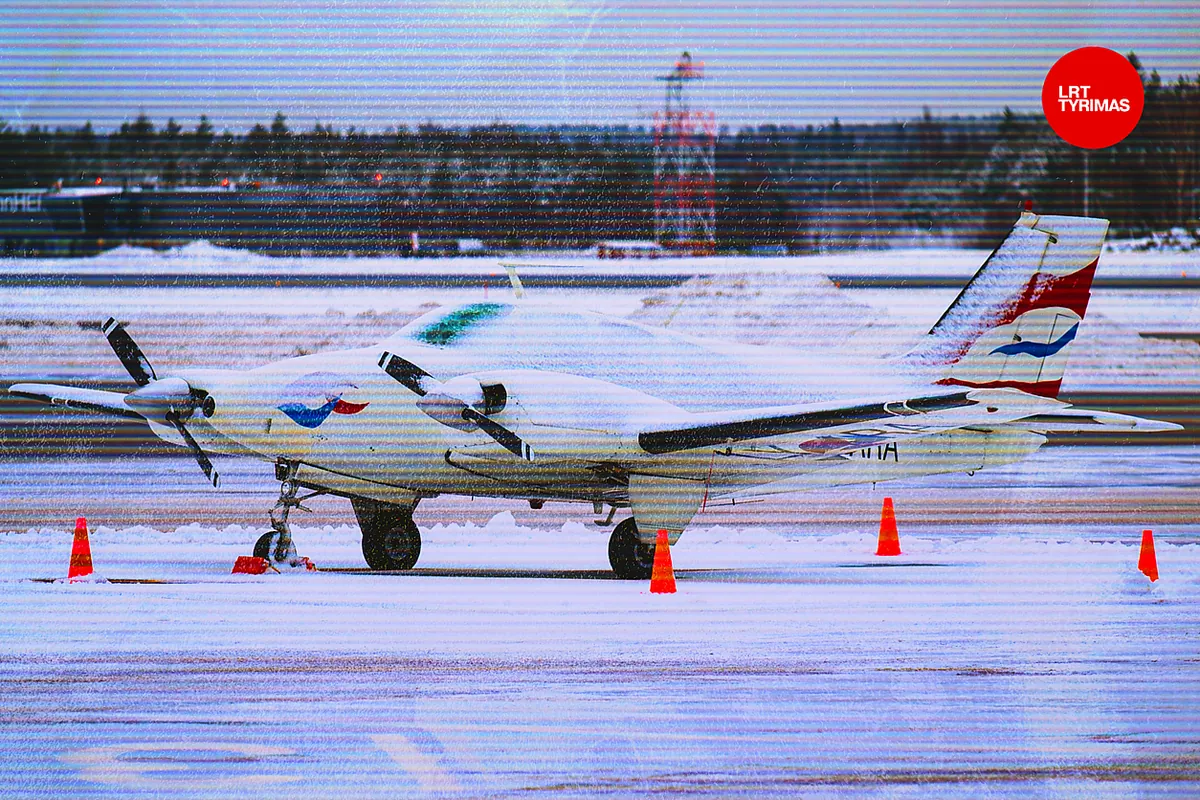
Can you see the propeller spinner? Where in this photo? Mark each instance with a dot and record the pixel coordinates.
(171, 400)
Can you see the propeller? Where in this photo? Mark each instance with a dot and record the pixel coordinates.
(462, 403)
(131, 356)
(172, 400)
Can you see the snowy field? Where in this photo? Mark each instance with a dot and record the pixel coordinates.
(1121, 258)
(50, 332)
(994, 658)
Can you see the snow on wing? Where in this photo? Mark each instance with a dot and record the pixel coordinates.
(73, 397)
(827, 429)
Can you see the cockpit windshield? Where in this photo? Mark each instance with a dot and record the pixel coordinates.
(444, 328)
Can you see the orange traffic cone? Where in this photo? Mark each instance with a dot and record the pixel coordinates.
(662, 578)
(81, 552)
(889, 537)
(1147, 563)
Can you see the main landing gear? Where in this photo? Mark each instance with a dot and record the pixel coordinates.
(631, 560)
(390, 538)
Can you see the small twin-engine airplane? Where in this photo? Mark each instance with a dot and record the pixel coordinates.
(540, 403)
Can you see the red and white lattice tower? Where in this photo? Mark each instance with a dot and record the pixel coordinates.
(685, 219)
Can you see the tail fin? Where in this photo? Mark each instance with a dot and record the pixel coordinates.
(1013, 323)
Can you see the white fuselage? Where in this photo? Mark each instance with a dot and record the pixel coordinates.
(580, 387)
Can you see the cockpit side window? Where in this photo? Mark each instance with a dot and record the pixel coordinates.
(455, 324)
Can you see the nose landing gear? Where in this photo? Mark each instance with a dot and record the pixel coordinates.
(276, 545)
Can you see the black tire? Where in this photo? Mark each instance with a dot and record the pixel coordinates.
(630, 559)
(390, 538)
(265, 546)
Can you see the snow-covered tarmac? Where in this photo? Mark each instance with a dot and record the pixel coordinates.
(991, 660)
(1013, 651)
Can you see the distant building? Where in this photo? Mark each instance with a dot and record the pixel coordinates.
(63, 222)
(628, 248)
(471, 247)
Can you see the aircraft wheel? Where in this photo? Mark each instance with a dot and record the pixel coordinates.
(630, 559)
(390, 538)
(265, 546)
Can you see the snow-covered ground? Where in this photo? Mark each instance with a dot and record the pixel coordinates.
(1005, 655)
(1013, 651)
(999, 666)
(1175, 240)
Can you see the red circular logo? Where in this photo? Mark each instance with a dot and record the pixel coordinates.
(1092, 97)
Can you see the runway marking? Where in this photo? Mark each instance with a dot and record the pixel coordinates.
(430, 775)
(562, 730)
(481, 572)
(133, 765)
(134, 581)
(907, 564)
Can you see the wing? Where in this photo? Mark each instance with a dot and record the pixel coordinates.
(81, 399)
(829, 429)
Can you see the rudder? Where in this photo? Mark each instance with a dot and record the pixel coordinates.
(1013, 323)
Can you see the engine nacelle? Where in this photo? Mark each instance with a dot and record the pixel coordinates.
(447, 403)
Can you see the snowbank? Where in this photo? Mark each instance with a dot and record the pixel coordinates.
(1176, 240)
(200, 256)
(783, 309)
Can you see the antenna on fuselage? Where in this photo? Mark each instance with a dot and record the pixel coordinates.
(518, 289)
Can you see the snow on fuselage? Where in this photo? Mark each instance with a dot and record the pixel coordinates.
(579, 387)
(696, 375)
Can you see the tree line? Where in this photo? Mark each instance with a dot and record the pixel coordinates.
(811, 188)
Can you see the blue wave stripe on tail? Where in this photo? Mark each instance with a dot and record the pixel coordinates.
(1037, 349)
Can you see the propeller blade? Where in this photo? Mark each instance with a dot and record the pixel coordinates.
(421, 383)
(131, 356)
(201, 459)
(415, 379)
(503, 436)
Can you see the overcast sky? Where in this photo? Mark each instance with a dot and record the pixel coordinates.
(562, 61)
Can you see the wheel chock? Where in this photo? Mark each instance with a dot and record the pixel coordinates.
(254, 565)
(251, 565)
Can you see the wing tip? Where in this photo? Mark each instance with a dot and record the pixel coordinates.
(1157, 426)
(27, 390)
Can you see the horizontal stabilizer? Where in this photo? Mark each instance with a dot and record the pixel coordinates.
(72, 397)
(1081, 419)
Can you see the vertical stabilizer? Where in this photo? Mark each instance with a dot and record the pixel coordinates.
(1013, 323)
